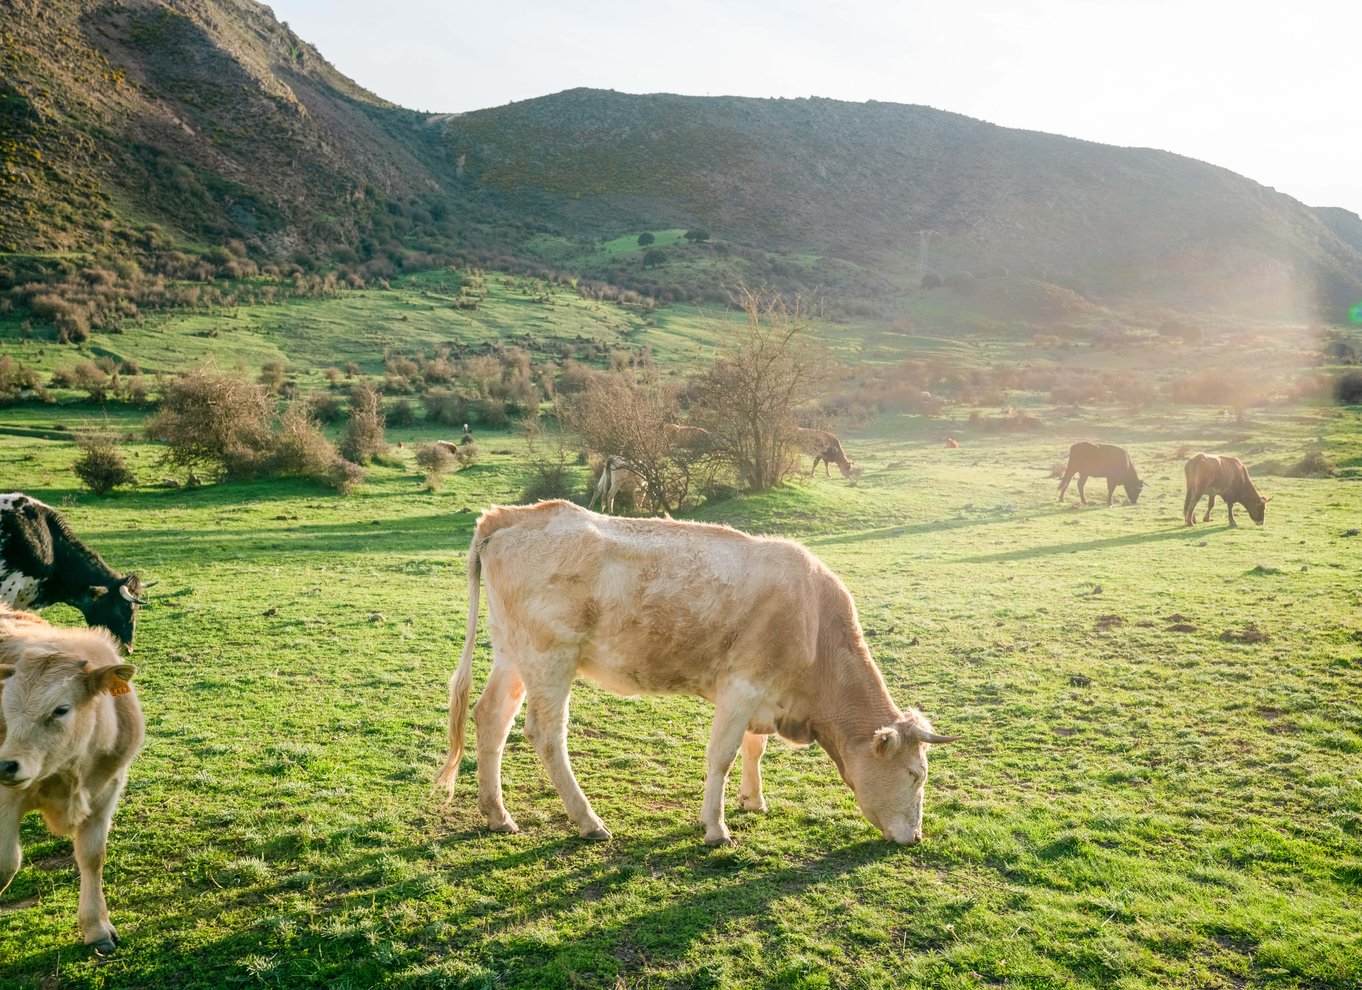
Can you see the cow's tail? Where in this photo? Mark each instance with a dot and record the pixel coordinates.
(461, 684)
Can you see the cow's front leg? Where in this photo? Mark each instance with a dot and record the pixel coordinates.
(546, 726)
(93, 914)
(1111, 491)
(749, 790)
(1229, 509)
(1082, 481)
(730, 725)
(1210, 504)
(11, 854)
(492, 715)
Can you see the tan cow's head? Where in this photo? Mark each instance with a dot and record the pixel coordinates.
(48, 704)
(1257, 507)
(890, 774)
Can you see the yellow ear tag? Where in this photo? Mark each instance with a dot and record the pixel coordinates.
(120, 686)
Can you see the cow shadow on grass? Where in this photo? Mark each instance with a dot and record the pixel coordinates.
(326, 929)
(1182, 534)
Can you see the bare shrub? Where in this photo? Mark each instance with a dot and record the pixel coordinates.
(86, 376)
(401, 413)
(446, 407)
(18, 380)
(767, 369)
(1235, 389)
(436, 461)
(213, 421)
(100, 466)
(364, 433)
(301, 450)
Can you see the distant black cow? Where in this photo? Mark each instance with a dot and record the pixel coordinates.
(1101, 460)
(42, 562)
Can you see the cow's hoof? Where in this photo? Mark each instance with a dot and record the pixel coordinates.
(753, 805)
(601, 834)
(505, 827)
(105, 946)
(720, 840)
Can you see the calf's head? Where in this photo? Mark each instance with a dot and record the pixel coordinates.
(889, 776)
(114, 607)
(48, 705)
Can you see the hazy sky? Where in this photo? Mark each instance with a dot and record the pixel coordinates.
(1267, 88)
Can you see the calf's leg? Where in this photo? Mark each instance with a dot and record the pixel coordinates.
(492, 715)
(11, 855)
(749, 789)
(93, 914)
(546, 726)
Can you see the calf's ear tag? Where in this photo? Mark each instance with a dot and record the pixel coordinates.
(119, 686)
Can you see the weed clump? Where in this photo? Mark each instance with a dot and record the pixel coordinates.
(101, 467)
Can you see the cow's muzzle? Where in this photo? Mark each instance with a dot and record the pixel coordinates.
(9, 774)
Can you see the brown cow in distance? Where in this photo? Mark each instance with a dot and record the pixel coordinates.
(1101, 460)
(824, 446)
(1211, 475)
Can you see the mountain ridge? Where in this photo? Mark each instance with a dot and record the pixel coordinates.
(166, 124)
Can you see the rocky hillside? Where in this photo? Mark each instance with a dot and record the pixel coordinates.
(161, 124)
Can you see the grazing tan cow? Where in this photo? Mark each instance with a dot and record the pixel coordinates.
(1211, 475)
(758, 626)
(1101, 460)
(825, 447)
(618, 475)
(952, 443)
(69, 726)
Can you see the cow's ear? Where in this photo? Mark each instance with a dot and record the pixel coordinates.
(887, 740)
(98, 590)
(112, 679)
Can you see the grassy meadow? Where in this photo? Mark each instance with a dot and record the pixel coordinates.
(1159, 781)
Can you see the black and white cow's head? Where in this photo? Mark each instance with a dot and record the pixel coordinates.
(42, 562)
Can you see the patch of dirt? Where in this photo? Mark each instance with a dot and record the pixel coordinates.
(1064, 733)
(1183, 627)
(1249, 634)
(1078, 680)
(1177, 617)
(1109, 621)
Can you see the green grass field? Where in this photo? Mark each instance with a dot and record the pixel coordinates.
(1158, 783)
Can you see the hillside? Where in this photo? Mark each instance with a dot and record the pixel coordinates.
(184, 124)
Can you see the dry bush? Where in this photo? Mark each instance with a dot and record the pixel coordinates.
(364, 433)
(1230, 387)
(86, 376)
(401, 413)
(300, 450)
(446, 407)
(100, 466)
(18, 381)
(1348, 388)
(436, 461)
(768, 368)
(213, 421)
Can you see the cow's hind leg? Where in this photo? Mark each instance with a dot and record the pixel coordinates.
(492, 715)
(1229, 509)
(749, 790)
(1082, 481)
(1189, 506)
(1210, 504)
(1064, 484)
(546, 726)
(93, 914)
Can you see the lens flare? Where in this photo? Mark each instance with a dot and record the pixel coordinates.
(1355, 314)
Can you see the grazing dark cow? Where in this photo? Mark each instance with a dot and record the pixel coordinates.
(1227, 477)
(42, 563)
(69, 726)
(1101, 460)
(824, 446)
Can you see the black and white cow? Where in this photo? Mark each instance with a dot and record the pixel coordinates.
(42, 562)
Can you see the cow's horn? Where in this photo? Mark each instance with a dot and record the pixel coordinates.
(151, 584)
(123, 590)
